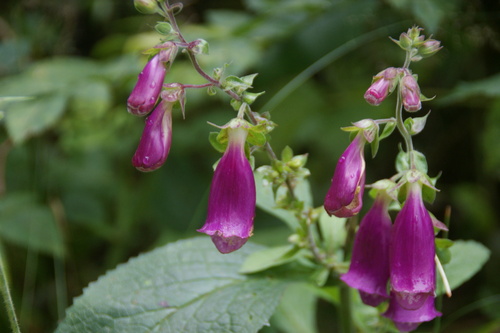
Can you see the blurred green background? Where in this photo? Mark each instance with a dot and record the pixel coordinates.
(72, 206)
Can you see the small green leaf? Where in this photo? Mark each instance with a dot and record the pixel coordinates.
(467, 258)
(249, 97)
(187, 286)
(200, 47)
(267, 258)
(256, 138)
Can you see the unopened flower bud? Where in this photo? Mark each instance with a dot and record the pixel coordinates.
(146, 6)
(143, 97)
(383, 84)
(345, 196)
(231, 204)
(430, 47)
(410, 93)
(156, 139)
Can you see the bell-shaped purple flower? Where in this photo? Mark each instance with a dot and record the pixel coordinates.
(147, 89)
(231, 205)
(408, 320)
(155, 140)
(413, 275)
(345, 196)
(369, 269)
(410, 93)
(383, 84)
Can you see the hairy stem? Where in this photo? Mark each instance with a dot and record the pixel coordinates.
(9, 305)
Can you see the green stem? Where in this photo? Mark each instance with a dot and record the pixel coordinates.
(4, 289)
(402, 129)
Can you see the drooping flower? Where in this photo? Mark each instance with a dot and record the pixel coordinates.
(147, 89)
(383, 84)
(408, 320)
(345, 196)
(410, 93)
(156, 139)
(369, 269)
(231, 205)
(413, 276)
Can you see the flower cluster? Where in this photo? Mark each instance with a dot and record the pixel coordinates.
(394, 262)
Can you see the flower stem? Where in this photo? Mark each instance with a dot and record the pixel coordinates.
(4, 289)
(402, 129)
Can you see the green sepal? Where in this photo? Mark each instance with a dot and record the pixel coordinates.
(236, 104)
(249, 97)
(238, 84)
(388, 129)
(403, 161)
(213, 139)
(442, 249)
(211, 91)
(256, 138)
(286, 154)
(415, 125)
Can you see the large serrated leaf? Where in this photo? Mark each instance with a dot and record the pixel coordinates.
(186, 286)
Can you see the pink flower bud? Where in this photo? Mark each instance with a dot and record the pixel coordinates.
(413, 271)
(383, 84)
(410, 92)
(147, 89)
(345, 196)
(231, 205)
(430, 47)
(156, 139)
(369, 269)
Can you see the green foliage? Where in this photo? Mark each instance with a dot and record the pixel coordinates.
(186, 286)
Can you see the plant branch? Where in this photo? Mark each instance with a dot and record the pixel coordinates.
(4, 289)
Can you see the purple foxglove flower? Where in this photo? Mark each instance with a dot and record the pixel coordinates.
(413, 272)
(345, 196)
(410, 92)
(408, 320)
(381, 87)
(231, 205)
(156, 139)
(369, 270)
(147, 89)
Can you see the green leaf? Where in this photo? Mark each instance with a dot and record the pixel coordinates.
(185, 286)
(267, 258)
(296, 312)
(388, 129)
(25, 222)
(34, 116)
(266, 202)
(212, 138)
(334, 233)
(467, 258)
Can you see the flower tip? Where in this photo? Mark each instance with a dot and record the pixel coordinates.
(411, 301)
(373, 98)
(227, 244)
(372, 299)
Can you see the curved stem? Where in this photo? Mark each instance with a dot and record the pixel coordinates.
(402, 129)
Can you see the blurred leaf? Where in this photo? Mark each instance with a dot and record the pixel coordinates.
(296, 312)
(29, 224)
(488, 87)
(31, 117)
(267, 258)
(467, 258)
(333, 232)
(186, 286)
(266, 202)
(490, 142)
